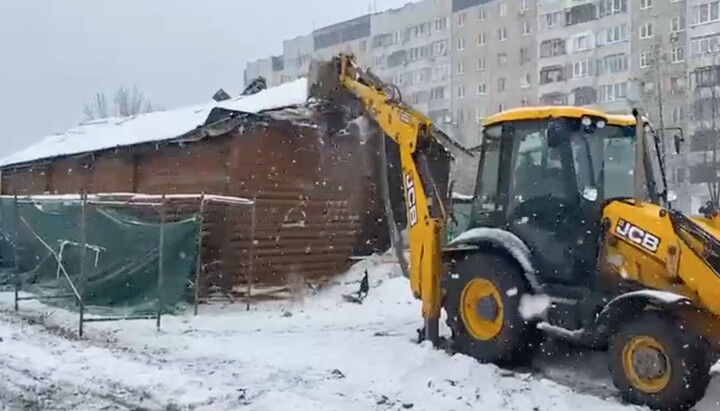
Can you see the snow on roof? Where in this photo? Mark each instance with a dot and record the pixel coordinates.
(156, 126)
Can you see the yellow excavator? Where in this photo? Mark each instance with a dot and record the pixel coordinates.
(572, 236)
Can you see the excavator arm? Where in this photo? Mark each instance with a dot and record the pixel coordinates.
(417, 139)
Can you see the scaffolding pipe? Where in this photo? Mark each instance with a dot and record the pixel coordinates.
(83, 244)
(16, 254)
(161, 246)
(198, 267)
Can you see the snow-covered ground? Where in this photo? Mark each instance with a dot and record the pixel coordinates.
(321, 353)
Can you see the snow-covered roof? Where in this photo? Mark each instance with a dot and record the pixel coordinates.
(156, 126)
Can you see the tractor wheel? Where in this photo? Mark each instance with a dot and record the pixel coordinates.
(654, 362)
(482, 304)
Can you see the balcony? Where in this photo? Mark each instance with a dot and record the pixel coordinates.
(704, 173)
(552, 74)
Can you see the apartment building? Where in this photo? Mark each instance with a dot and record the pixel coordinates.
(700, 154)
(493, 61)
(411, 48)
(351, 36)
(297, 54)
(584, 53)
(272, 68)
(660, 78)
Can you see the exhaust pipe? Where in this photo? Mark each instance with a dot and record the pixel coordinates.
(639, 171)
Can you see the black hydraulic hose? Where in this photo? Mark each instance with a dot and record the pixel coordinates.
(395, 236)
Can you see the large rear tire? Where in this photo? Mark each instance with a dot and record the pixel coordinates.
(482, 303)
(654, 362)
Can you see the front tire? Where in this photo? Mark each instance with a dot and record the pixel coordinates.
(482, 304)
(654, 362)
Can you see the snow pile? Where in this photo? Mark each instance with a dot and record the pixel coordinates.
(156, 126)
(461, 197)
(323, 354)
(533, 306)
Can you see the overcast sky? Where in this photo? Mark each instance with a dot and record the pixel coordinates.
(55, 54)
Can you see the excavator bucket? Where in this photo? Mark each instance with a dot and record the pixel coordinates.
(324, 80)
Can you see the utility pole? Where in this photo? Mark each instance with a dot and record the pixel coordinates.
(658, 60)
(708, 77)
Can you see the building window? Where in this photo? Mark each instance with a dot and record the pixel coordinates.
(677, 114)
(501, 108)
(441, 24)
(610, 7)
(481, 39)
(677, 24)
(705, 45)
(678, 54)
(437, 93)
(646, 30)
(644, 60)
(524, 5)
(481, 14)
(460, 116)
(680, 175)
(502, 8)
(525, 81)
(501, 84)
(440, 72)
(479, 114)
(461, 43)
(581, 13)
(552, 19)
(581, 43)
(524, 55)
(439, 48)
(677, 85)
(648, 87)
(526, 28)
(525, 102)
(502, 59)
(706, 13)
(613, 92)
(553, 47)
(583, 96)
(552, 74)
(614, 63)
(461, 19)
(481, 89)
(615, 34)
(646, 4)
(481, 64)
(502, 34)
(461, 91)
(581, 68)
(460, 67)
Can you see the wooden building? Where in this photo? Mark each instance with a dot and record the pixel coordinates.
(314, 181)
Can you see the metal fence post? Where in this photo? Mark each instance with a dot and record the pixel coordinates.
(199, 265)
(83, 246)
(161, 246)
(251, 256)
(16, 254)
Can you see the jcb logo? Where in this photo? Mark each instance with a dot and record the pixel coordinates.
(637, 235)
(411, 199)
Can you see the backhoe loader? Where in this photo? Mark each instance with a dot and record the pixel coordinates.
(572, 236)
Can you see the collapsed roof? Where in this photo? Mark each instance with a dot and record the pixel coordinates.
(115, 132)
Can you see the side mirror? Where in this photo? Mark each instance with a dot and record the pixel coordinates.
(678, 140)
(678, 137)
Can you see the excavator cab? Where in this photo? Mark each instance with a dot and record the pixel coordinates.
(545, 175)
